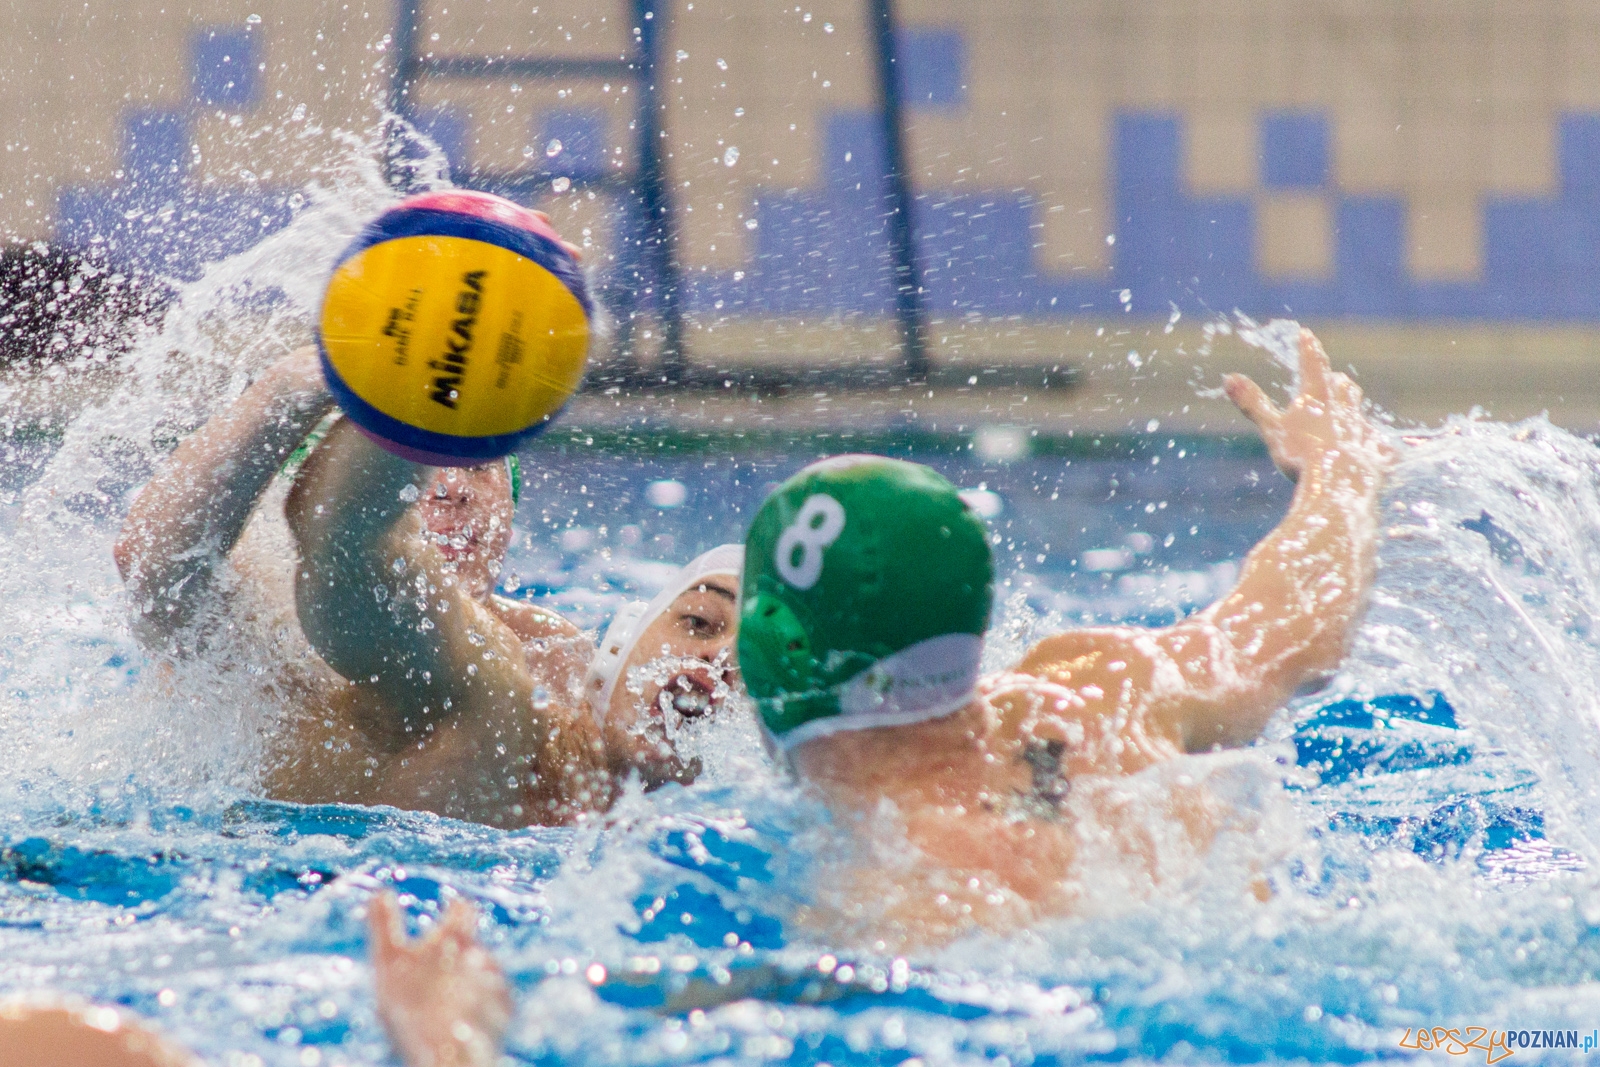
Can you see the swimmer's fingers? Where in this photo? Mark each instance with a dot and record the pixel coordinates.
(1253, 402)
(1361, 429)
(387, 932)
(1315, 374)
(460, 923)
(482, 982)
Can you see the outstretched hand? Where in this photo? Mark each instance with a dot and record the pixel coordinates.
(442, 998)
(1326, 417)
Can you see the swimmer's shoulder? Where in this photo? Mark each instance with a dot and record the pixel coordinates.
(1086, 656)
(1076, 690)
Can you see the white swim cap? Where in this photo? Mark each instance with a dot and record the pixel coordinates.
(634, 618)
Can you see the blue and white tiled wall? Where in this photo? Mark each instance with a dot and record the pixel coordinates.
(1066, 152)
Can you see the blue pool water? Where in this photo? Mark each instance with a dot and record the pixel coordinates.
(1425, 819)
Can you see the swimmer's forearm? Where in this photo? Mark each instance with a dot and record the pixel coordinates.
(1290, 616)
(381, 606)
(355, 533)
(192, 513)
(349, 495)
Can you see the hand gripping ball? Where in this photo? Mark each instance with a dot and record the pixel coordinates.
(454, 326)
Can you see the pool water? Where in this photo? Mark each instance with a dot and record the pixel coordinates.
(1424, 819)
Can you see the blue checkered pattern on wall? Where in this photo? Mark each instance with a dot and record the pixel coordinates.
(1539, 254)
(223, 62)
(582, 139)
(933, 68)
(1294, 151)
(824, 250)
(154, 218)
(155, 147)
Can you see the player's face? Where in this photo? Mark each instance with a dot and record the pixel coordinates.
(681, 671)
(467, 513)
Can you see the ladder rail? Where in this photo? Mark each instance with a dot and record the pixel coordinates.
(648, 185)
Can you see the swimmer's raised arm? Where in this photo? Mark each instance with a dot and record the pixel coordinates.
(190, 515)
(1217, 677)
(385, 609)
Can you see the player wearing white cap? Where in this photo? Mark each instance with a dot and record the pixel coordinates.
(369, 625)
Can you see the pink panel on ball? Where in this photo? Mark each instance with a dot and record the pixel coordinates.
(483, 206)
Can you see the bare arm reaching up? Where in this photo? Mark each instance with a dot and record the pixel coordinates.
(1215, 678)
(191, 514)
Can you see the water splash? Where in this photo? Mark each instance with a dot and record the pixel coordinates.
(1425, 863)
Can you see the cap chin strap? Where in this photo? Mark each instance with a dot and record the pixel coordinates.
(633, 619)
(927, 680)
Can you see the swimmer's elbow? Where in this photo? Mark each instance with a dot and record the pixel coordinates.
(299, 515)
(126, 556)
(137, 564)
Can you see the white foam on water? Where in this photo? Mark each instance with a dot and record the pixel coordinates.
(75, 695)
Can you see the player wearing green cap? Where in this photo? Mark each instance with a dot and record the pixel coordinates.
(347, 597)
(866, 593)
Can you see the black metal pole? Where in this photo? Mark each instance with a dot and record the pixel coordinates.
(897, 190)
(654, 189)
(403, 49)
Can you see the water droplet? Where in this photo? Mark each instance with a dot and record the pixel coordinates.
(827, 27)
(666, 494)
(738, 112)
(806, 17)
(553, 149)
(751, 224)
(253, 20)
(409, 494)
(541, 698)
(682, 55)
(561, 185)
(722, 64)
(731, 156)
(738, 275)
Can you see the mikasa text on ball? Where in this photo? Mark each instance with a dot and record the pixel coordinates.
(453, 327)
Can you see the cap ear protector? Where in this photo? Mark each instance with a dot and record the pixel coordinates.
(633, 619)
(514, 475)
(867, 588)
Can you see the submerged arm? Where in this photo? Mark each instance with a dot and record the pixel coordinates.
(191, 514)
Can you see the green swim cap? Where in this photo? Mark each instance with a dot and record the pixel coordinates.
(867, 586)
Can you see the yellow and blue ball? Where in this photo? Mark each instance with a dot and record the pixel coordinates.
(454, 326)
